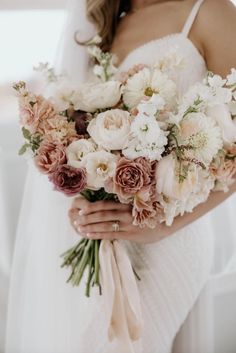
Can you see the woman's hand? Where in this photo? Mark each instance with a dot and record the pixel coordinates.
(94, 220)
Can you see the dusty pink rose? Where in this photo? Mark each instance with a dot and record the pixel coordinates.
(131, 177)
(49, 156)
(69, 180)
(34, 109)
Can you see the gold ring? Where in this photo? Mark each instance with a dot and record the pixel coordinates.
(116, 226)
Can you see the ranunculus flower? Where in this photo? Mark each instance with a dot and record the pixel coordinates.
(69, 180)
(111, 129)
(94, 96)
(77, 150)
(100, 166)
(220, 113)
(49, 156)
(131, 177)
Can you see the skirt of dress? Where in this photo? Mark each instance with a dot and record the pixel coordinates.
(46, 315)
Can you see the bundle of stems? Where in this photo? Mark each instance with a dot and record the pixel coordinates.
(85, 254)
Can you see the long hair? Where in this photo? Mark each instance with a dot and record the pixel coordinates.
(105, 15)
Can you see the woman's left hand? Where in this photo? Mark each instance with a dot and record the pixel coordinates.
(95, 220)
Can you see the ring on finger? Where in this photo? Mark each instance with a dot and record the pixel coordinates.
(116, 226)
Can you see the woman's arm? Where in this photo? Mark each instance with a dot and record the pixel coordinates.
(215, 31)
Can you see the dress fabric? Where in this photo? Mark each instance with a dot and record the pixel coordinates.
(46, 315)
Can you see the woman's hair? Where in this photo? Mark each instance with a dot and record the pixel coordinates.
(105, 15)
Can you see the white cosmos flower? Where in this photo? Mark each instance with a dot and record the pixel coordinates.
(77, 150)
(152, 106)
(145, 83)
(99, 166)
(231, 78)
(202, 135)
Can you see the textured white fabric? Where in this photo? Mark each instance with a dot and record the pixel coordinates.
(48, 316)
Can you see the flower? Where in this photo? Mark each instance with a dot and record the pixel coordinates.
(131, 176)
(146, 83)
(57, 128)
(77, 150)
(111, 129)
(68, 180)
(201, 136)
(81, 122)
(91, 97)
(62, 93)
(100, 166)
(146, 209)
(231, 78)
(168, 182)
(49, 156)
(147, 138)
(220, 113)
(223, 170)
(33, 110)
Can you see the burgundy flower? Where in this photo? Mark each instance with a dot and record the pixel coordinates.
(81, 122)
(69, 180)
(50, 155)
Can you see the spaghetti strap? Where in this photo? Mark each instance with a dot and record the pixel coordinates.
(188, 24)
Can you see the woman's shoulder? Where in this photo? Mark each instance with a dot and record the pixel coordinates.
(216, 28)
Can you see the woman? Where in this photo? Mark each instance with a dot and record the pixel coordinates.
(47, 316)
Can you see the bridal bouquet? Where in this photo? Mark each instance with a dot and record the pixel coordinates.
(130, 137)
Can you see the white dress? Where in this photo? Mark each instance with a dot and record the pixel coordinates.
(46, 315)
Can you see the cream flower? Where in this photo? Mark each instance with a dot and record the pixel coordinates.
(111, 129)
(62, 94)
(231, 78)
(99, 166)
(146, 83)
(77, 150)
(94, 96)
(201, 135)
(167, 179)
(220, 113)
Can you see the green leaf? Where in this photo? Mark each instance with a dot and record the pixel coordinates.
(23, 149)
(26, 133)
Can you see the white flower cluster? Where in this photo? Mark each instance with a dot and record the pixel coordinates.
(147, 138)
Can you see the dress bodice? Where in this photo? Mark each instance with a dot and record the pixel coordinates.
(194, 66)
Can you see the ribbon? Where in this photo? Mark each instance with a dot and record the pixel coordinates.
(121, 296)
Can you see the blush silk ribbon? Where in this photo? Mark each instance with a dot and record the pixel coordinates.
(121, 296)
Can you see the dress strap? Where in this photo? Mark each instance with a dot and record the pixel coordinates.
(191, 18)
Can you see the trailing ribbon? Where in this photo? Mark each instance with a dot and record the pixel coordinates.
(121, 296)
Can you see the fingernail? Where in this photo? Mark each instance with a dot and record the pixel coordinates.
(75, 223)
(89, 235)
(81, 212)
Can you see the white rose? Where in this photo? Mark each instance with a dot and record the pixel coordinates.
(61, 94)
(111, 129)
(93, 96)
(77, 150)
(100, 166)
(220, 113)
